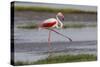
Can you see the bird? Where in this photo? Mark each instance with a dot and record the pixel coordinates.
(52, 23)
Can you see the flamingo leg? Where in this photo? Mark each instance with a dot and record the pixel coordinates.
(49, 42)
(61, 34)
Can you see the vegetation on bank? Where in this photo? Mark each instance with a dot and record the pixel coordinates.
(28, 26)
(62, 59)
(48, 9)
(34, 26)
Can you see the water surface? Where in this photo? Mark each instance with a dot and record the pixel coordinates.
(35, 35)
(32, 45)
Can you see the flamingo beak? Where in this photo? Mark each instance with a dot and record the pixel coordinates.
(63, 18)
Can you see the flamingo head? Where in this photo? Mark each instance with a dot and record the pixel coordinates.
(60, 15)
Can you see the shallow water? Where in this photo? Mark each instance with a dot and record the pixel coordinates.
(35, 51)
(35, 35)
(31, 44)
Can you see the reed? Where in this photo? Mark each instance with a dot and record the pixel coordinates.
(48, 9)
(72, 25)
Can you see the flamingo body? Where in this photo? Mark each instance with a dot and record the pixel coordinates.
(49, 23)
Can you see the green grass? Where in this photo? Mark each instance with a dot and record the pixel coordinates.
(78, 25)
(74, 25)
(28, 26)
(48, 9)
(62, 59)
(33, 26)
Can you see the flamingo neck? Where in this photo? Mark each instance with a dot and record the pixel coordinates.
(61, 24)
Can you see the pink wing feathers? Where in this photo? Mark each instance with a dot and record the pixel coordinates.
(49, 23)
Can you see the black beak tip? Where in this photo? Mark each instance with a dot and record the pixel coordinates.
(63, 19)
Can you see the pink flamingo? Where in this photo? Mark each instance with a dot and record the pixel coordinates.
(51, 23)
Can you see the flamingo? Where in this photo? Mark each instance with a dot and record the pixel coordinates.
(52, 23)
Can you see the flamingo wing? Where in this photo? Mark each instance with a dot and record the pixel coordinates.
(49, 22)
